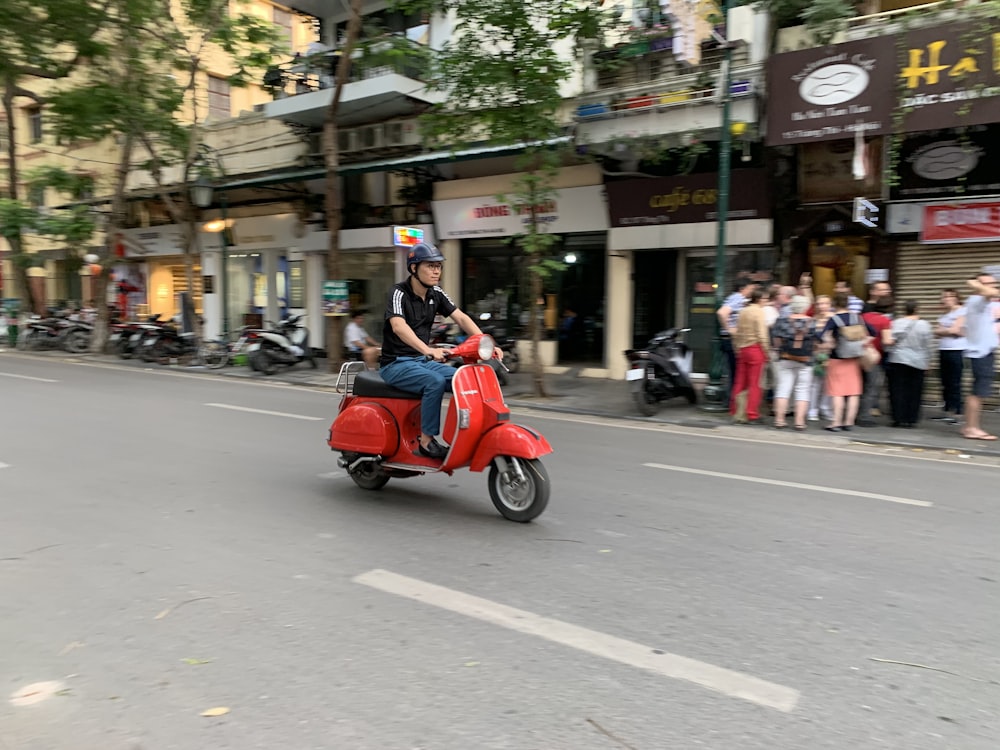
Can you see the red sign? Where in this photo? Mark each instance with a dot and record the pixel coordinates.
(961, 222)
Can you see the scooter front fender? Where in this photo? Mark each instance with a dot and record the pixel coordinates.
(508, 440)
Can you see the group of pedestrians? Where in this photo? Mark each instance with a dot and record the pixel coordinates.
(835, 357)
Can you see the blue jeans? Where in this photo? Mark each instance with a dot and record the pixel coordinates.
(429, 379)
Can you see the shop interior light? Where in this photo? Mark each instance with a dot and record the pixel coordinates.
(215, 225)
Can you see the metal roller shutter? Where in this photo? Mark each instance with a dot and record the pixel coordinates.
(922, 271)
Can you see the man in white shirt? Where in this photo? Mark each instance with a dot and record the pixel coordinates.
(357, 340)
(981, 341)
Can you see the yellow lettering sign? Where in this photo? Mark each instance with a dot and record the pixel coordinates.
(996, 53)
(916, 72)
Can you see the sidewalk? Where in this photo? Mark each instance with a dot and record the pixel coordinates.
(572, 394)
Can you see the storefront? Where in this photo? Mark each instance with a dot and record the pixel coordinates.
(662, 255)
(154, 271)
(483, 233)
(370, 261)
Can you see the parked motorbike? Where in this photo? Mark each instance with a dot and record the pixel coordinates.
(508, 344)
(128, 336)
(377, 432)
(448, 335)
(661, 371)
(166, 342)
(285, 343)
(52, 332)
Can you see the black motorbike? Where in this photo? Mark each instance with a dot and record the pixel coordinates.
(661, 371)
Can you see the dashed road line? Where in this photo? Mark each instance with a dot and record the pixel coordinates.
(794, 485)
(719, 679)
(27, 377)
(233, 407)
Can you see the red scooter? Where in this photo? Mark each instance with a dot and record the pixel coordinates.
(378, 428)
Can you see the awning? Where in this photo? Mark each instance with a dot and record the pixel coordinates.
(388, 165)
(397, 163)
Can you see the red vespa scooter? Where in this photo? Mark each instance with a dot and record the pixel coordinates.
(378, 428)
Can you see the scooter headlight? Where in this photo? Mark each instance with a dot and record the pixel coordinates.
(486, 346)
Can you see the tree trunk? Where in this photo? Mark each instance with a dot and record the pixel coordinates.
(115, 221)
(334, 331)
(535, 327)
(15, 242)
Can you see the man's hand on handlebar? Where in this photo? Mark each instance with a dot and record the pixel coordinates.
(438, 355)
(498, 353)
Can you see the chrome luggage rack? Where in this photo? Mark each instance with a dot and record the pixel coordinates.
(345, 379)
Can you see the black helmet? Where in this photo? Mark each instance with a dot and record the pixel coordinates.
(421, 253)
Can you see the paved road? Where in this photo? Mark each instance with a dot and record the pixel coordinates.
(160, 556)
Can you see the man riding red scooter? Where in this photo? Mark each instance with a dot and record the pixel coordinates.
(388, 423)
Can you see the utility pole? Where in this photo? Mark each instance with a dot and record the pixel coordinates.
(714, 394)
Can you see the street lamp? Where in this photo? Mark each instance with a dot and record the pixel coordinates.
(201, 196)
(714, 394)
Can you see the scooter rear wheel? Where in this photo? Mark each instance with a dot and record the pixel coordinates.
(647, 404)
(516, 499)
(369, 476)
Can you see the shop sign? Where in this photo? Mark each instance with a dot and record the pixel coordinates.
(961, 222)
(407, 236)
(687, 199)
(923, 79)
(153, 241)
(580, 209)
(949, 163)
(827, 93)
(335, 298)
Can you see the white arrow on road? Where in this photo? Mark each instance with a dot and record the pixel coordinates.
(721, 680)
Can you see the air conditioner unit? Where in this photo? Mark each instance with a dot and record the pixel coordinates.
(370, 136)
(403, 133)
(347, 141)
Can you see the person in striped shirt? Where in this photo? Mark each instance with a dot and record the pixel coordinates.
(854, 304)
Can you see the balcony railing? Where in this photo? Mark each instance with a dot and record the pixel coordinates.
(306, 73)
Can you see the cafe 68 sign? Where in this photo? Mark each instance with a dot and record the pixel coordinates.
(923, 79)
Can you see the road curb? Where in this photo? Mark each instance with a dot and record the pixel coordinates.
(514, 402)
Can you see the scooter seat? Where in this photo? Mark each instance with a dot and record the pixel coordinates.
(370, 384)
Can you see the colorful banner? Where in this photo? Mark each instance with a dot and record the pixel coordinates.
(961, 222)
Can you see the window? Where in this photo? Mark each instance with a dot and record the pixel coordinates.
(218, 98)
(283, 20)
(35, 124)
(36, 196)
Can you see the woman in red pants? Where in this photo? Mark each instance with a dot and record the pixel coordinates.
(751, 345)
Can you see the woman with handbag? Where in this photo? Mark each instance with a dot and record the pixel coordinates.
(908, 342)
(849, 335)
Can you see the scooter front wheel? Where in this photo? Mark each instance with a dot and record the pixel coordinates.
(519, 495)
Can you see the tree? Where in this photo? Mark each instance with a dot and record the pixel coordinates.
(149, 93)
(40, 41)
(331, 158)
(504, 72)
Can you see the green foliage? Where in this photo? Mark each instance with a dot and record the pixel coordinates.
(150, 84)
(73, 226)
(822, 17)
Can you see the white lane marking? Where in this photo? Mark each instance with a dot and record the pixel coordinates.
(795, 485)
(232, 407)
(27, 377)
(855, 447)
(719, 679)
(4, 466)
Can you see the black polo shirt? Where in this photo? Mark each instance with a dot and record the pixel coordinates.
(418, 314)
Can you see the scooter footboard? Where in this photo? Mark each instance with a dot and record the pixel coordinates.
(509, 440)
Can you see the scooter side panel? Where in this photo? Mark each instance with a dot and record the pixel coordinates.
(509, 440)
(465, 389)
(365, 427)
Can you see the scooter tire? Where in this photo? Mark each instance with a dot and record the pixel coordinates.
(123, 348)
(691, 395)
(646, 404)
(520, 502)
(264, 364)
(370, 477)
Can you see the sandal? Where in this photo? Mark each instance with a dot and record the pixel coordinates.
(800, 428)
(984, 436)
(780, 425)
